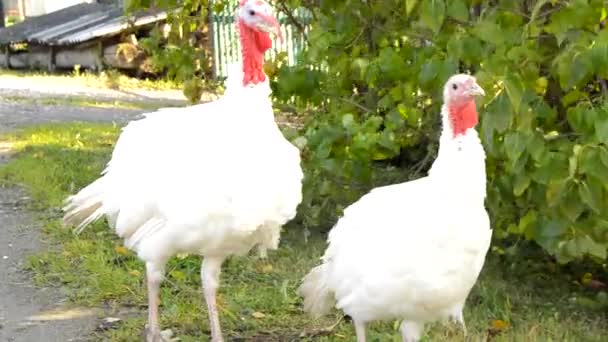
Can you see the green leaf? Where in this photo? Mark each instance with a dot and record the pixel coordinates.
(522, 182)
(409, 6)
(601, 130)
(402, 110)
(497, 115)
(572, 97)
(489, 31)
(576, 118)
(429, 71)
(552, 229)
(323, 150)
(591, 193)
(348, 120)
(587, 245)
(536, 148)
(591, 164)
(555, 191)
(432, 14)
(571, 206)
(514, 88)
(397, 93)
(458, 10)
(526, 223)
(472, 49)
(515, 145)
(572, 165)
(604, 155)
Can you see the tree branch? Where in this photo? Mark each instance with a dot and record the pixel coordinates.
(289, 13)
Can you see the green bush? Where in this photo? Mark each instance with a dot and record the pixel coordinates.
(178, 50)
(544, 120)
(371, 82)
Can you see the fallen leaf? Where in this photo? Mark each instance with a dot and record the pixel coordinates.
(178, 275)
(135, 273)
(499, 324)
(122, 250)
(258, 315)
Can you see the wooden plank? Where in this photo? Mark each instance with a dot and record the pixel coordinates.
(87, 57)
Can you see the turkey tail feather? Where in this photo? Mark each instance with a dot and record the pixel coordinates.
(84, 207)
(318, 299)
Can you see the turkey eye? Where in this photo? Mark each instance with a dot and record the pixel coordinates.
(454, 86)
(252, 12)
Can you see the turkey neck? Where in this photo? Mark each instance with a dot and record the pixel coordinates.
(247, 88)
(253, 45)
(460, 161)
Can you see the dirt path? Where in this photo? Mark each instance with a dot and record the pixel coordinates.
(29, 314)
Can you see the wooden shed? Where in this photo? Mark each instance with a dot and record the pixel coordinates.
(85, 34)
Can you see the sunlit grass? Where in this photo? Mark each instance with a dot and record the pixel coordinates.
(87, 101)
(104, 80)
(524, 302)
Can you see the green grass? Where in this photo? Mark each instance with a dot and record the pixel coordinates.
(523, 302)
(87, 101)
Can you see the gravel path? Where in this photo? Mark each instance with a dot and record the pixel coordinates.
(29, 314)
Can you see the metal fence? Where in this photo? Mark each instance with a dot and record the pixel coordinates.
(226, 45)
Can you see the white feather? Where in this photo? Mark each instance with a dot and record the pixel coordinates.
(211, 179)
(409, 251)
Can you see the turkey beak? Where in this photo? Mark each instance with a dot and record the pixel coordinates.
(475, 90)
(271, 25)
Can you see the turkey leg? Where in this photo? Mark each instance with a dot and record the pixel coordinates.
(360, 331)
(210, 276)
(154, 276)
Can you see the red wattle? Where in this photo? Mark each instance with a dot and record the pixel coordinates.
(463, 117)
(253, 44)
(263, 41)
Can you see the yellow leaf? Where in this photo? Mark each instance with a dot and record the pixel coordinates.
(587, 278)
(258, 315)
(135, 273)
(499, 324)
(182, 256)
(121, 250)
(267, 268)
(541, 85)
(179, 275)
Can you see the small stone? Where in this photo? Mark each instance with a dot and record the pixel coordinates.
(167, 335)
(109, 323)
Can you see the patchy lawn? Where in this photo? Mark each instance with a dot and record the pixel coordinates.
(110, 79)
(88, 101)
(523, 302)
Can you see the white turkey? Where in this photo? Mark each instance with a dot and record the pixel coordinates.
(413, 251)
(214, 180)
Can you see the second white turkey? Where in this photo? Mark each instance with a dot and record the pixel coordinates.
(413, 251)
